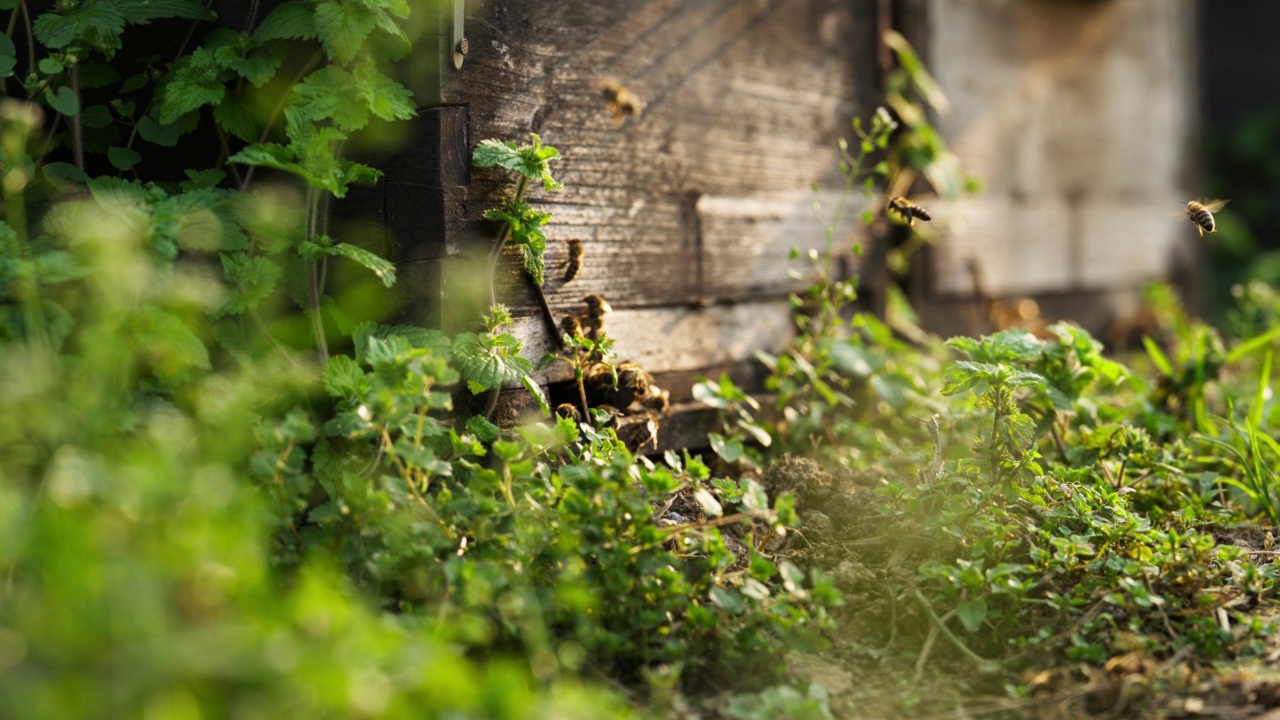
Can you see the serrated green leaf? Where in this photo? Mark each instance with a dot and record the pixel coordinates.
(61, 173)
(235, 115)
(172, 348)
(152, 131)
(533, 258)
(343, 377)
(484, 430)
(488, 361)
(971, 614)
(97, 25)
(329, 93)
(95, 75)
(134, 82)
(710, 506)
(726, 599)
(64, 100)
(384, 269)
(729, 450)
(96, 116)
(256, 64)
(343, 28)
(200, 179)
(57, 266)
(123, 158)
(271, 155)
(490, 152)
(538, 395)
(252, 278)
(383, 96)
(197, 82)
(292, 20)
(144, 11)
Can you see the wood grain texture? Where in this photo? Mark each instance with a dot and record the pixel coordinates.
(676, 339)
(698, 200)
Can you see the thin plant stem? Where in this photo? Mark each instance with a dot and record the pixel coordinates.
(313, 286)
(262, 327)
(77, 132)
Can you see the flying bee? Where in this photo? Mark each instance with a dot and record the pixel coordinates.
(621, 101)
(908, 210)
(575, 260)
(1200, 212)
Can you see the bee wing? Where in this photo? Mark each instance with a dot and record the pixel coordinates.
(1178, 213)
(1214, 206)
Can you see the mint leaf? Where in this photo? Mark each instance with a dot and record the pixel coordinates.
(95, 75)
(271, 155)
(528, 160)
(489, 362)
(971, 614)
(152, 131)
(342, 28)
(96, 116)
(381, 267)
(96, 24)
(484, 430)
(197, 82)
(383, 96)
(123, 158)
(8, 56)
(290, 21)
(329, 93)
(235, 115)
(252, 277)
(538, 395)
(257, 64)
(64, 100)
(343, 377)
(144, 11)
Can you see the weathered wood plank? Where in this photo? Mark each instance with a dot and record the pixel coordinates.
(677, 339)
(700, 198)
(1078, 118)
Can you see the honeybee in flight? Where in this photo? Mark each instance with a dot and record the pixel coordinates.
(908, 210)
(621, 101)
(1201, 213)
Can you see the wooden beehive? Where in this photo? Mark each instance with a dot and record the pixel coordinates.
(688, 211)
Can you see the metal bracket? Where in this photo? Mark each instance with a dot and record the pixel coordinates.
(458, 37)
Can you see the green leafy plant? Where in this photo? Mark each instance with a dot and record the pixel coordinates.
(521, 224)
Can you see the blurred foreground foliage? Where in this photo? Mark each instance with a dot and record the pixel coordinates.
(229, 491)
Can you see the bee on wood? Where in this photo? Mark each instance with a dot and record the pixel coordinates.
(1200, 212)
(656, 400)
(593, 323)
(632, 383)
(908, 210)
(621, 101)
(575, 260)
(569, 410)
(571, 326)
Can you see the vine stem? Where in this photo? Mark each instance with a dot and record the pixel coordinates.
(496, 251)
(77, 134)
(492, 268)
(313, 286)
(262, 327)
(946, 631)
